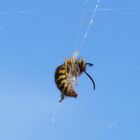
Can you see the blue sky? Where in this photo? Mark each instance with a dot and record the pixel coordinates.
(36, 37)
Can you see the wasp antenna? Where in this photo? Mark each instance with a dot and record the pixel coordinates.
(89, 64)
(90, 79)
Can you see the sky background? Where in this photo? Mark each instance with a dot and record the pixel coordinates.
(36, 37)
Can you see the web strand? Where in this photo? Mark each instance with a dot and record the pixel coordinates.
(91, 21)
(53, 119)
(80, 42)
(78, 38)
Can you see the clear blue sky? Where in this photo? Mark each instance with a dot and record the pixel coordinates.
(36, 37)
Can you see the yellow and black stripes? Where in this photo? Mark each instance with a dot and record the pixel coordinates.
(62, 81)
(67, 73)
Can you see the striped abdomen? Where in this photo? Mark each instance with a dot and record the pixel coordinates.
(62, 81)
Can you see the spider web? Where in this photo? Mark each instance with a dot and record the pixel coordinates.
(79, 43)
(79, 39)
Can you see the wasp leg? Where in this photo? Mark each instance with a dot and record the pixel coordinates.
(62, 97)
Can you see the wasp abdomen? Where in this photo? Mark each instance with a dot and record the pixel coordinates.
(62, 81)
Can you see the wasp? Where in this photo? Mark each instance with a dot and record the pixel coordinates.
(66, 76)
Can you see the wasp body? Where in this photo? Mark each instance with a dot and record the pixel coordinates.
(66, 76)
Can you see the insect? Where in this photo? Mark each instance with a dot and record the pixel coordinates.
(66, 76)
